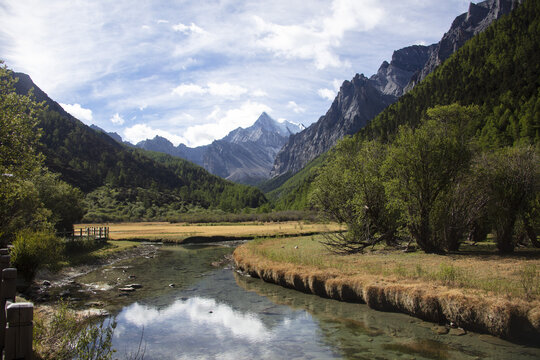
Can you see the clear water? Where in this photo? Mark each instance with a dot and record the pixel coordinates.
(214, 313)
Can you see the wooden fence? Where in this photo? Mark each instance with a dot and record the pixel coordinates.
(87, 233)
(16, 319)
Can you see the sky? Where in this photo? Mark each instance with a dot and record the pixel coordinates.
(192, 71)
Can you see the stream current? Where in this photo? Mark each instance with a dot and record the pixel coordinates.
(191, 307)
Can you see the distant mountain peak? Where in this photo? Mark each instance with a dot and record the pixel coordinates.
(244, 155)
(113, 135)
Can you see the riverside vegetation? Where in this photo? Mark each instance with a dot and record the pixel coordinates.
(474, 289)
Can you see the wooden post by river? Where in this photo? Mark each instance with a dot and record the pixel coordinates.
(16, 319)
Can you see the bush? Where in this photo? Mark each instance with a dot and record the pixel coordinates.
(65, 335)
(529, 278)
(34, 249)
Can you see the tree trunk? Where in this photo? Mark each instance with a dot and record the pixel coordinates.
(505, 232)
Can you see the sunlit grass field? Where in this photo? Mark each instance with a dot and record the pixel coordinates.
(177, 232)
(476, 268)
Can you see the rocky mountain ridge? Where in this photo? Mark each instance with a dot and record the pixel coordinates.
(244, 155)
(361, 99)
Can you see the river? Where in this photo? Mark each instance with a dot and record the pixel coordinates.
(192, 307)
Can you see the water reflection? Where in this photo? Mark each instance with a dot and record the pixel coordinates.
(203, 328)
(217, 314)
(205, 314)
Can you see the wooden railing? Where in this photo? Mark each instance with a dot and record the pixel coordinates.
(87, 233)
(16, 319)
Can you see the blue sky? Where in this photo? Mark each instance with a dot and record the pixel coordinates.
(194, 70)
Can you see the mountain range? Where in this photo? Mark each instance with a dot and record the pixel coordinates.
(244, 156)
(110, 172)
(361, 99)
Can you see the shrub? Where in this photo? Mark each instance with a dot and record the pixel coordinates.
(34, 249)
(448, 274)
(65, 335)
(530, 281)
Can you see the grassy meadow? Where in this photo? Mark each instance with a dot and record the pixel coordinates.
(475, 269)
(178, 232)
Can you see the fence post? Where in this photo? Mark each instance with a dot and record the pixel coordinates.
(19, 331)
(4, 264)
(8, 289)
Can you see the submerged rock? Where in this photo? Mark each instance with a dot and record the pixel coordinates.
(127, 289)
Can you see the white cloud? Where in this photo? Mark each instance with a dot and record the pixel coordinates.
(214, 114)
(259, 93)
(140, 132)
(243, 116)
(317, 43)
(295, 107)
(79, 112)
(116, 119)
(186, 29)
(225, 90)
(161, 21)
(328, 94)
(186, 89)
(222, 122)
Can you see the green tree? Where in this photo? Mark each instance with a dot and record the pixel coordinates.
(511, 178)
(19, 158)
(350, 191)
(64, 202)
(421, 167)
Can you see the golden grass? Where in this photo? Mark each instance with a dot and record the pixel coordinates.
(477, 271)
(177, 232)
(478, 291)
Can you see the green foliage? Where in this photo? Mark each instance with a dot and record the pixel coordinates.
(529, 277)
(64, 202)
(19, 159)
(30, 196)
(349, 190)
(495, 70)
(19, 134)
(422, 165)
(448, 274)
(510, 178)
(68, 336)
(34, 249)
(293, 193)
(95, 342)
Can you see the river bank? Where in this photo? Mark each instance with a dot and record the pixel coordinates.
(431, 287)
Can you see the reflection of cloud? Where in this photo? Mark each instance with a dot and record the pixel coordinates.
(202, 312)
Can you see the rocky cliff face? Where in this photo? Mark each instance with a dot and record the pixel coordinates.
(361, 99)
(244, 155)
(357, 102)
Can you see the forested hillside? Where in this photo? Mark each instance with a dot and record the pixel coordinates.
(121, 179)
(496, 70)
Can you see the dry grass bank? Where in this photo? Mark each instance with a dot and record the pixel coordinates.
(179, 232)
(476, 290)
